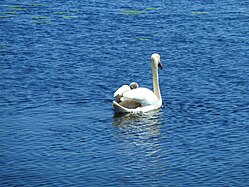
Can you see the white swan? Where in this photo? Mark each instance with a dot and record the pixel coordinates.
(140, 99)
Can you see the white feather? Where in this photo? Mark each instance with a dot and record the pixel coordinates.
(121, 90)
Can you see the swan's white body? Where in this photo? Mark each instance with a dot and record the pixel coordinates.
(140, 99)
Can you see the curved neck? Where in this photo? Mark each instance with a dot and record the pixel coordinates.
(156, 87)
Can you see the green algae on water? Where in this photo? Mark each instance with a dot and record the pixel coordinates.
(151, 8)
(35, 5)
(5, 17)
(69, 17)
(41, 20)
(199, 13)
(132, 12)
(2, 46)
(60, 13)
(41, 17)
(10, 13)
(16, 7)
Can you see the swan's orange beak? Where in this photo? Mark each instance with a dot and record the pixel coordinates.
(160, 66)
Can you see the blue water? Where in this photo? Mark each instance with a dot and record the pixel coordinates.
(61, 62)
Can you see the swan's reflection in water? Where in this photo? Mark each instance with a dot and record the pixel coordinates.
(139, 141)
(139, 129)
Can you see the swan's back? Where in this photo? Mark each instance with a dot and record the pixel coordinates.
(143, 96)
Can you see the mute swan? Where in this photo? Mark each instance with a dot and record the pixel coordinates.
(140, 99)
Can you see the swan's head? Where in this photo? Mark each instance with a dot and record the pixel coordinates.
(156, 61)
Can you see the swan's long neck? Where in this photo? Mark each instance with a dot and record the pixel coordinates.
(156, 83)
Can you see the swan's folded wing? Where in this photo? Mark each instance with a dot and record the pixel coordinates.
(121, 90)
(143, 96)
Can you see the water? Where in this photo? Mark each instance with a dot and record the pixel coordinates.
(61, 62)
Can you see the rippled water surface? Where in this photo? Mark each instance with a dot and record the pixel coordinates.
(61, 62)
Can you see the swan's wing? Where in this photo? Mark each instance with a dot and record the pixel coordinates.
(121, 90)
(119, 108)
(143, 96)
